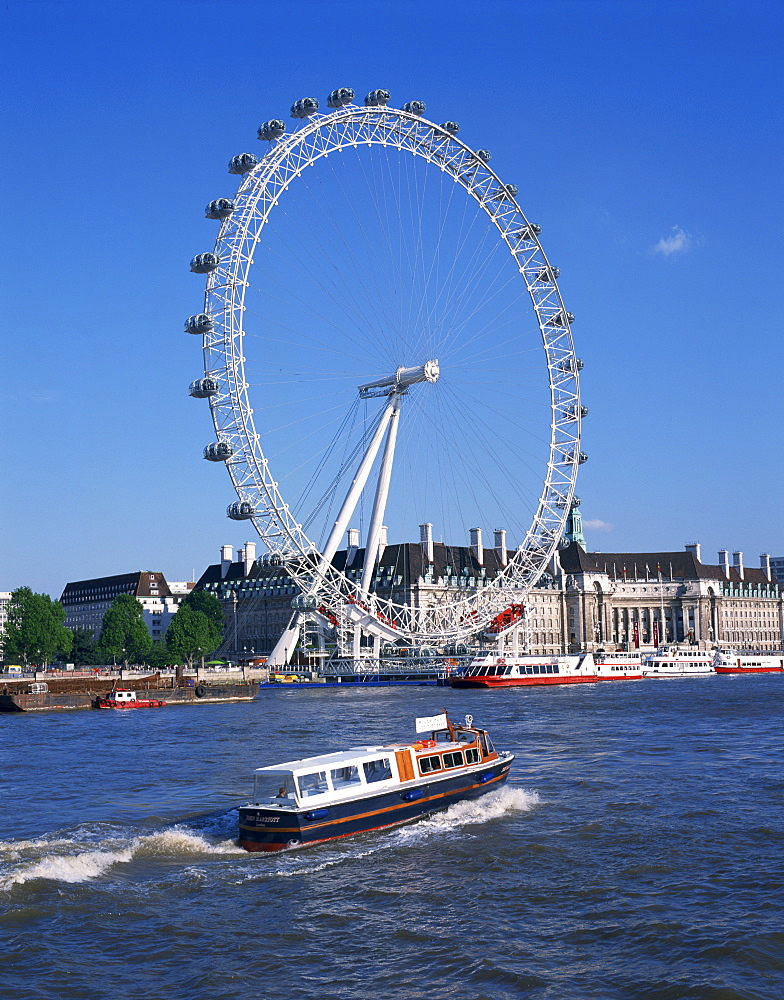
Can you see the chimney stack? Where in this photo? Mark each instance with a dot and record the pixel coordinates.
(426, 541)
(499, 536)
(250, 556)
(476, 545)
(724, 562)
(695, 550)
(737, 562)
(226, 557)
(765, 566)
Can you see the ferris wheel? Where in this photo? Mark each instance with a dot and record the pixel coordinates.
(386, 349)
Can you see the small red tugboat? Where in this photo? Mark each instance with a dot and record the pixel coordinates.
(368, 788)
(124, 698)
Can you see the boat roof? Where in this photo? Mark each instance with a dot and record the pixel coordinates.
(327, 760)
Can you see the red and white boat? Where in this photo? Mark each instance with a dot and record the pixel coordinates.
(488, 670)
(125, 698)
(678, 661)
(730, 661)
(618, 666)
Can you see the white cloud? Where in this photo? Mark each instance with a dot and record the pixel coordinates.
(678, 242)
(594, 524)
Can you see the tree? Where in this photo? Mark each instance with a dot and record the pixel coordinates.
(159, 656)
(192, 633)
(124, 635)
(34, 630)
(85, 651)
(209, 605)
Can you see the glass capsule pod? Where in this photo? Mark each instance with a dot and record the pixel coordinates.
(218, 451)
(340, 98)
(571, 365)
(304, 602)
(304, 107)
(377, 98)
(242, 163)
(484, 155)
(573, 411)
(221, 208)
(451, 127)
(529, 232)
(415, 107)
(203, 263)
(198, 324)
(240, 510)
(503, 192)
(568, 458)
(548, 274)
(561, 319)
(202, 388)
(273, 129)
(389, 650)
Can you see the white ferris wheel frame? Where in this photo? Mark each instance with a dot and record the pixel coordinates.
(454, 619)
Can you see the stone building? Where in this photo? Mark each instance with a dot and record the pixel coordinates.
(641, 599)
(587, 601)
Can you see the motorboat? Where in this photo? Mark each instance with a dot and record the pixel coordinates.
(125, 698)
(340, 794)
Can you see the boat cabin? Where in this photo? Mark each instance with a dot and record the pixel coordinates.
(364, 771)
(122, 695)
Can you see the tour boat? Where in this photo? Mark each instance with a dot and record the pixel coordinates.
(370, 787)
(618, 666)
(488, 670)
(124, 698)
(730, 661)
(673, 661)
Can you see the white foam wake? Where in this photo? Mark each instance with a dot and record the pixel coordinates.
(66, 860)
(505, 802)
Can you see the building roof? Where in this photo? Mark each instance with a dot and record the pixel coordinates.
(679, 565)
(139, 584)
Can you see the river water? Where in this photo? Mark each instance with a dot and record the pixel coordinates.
(637, 852)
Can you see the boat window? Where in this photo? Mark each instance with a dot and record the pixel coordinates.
(454, 759)
(343, 777)
(277, 789)
(314, 783)
(428, 764)
(377, 770)
(490, 748)
(556, 669)
(472, 756)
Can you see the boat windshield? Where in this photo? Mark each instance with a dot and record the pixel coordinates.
(273, 789)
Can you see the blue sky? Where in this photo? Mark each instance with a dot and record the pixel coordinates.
(645, 138)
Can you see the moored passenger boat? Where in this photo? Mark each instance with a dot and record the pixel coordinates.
(618, 666)
(673, 661)
(488, 670)
(730, 661)
(371, 787)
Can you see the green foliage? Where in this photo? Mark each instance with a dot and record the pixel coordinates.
(192, 633)
(159, 656)
(209, 605)
(85, 650)
(34, 631)
(124, 636)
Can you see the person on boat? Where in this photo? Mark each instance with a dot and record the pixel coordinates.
(282, 794)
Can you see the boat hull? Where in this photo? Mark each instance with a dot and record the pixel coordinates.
(749, 670)
(265, 829)
(527, 680)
